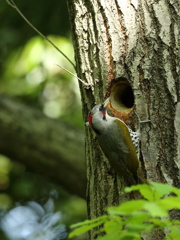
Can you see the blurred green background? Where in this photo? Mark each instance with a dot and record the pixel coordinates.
(28, 72)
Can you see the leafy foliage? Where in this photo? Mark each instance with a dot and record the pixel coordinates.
(33, 78)
(133, 218)
(28, 72)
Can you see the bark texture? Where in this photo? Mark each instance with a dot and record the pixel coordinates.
(137, 41)
(47, 146)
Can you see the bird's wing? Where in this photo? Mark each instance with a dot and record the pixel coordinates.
(131, 159)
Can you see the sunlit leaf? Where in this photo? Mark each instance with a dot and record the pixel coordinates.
(161, 189)
(85, 228)
(138, 218)
(127, 235)
(133, 217)
(170, 203)
(110, 236)
(145, 190)
(156, 221)
(139, 227)
(127, 207)
(176, 191)
(155, 210)
(174, 234)
(112, 225)
(92, 221)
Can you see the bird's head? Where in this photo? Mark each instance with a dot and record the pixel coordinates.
(98, 115)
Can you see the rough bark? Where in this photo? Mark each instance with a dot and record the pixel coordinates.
(137, 41)
(47, 146)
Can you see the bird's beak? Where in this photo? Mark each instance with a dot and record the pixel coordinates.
(105, 103)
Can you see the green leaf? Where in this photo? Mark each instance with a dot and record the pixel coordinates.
(85, 228)
(170, 203)
(138, 218)
(157, 222)
(154, 191)
(127, 208)
(145, 190)
(160, 189)
(87, 222)
(176, 191)
(110, 236)
(174, 234)
(135, 187)
(113, 225)
(138, 228)
(131, 218)
(155, 210)
(126, 235)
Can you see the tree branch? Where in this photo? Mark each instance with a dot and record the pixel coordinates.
(13, 5)
(47, 146)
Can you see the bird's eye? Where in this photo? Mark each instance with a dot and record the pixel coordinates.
(101, 107)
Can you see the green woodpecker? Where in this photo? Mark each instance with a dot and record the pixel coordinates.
(118, 142)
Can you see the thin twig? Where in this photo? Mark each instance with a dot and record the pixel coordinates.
(86, 85)
(13, 5)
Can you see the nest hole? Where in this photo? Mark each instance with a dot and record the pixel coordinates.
(122, 97)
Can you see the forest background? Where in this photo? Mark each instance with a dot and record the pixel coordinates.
(36, 93)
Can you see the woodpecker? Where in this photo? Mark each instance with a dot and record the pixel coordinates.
(118, 142)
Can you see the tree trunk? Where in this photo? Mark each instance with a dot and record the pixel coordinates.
(47, 146)
(129, 50)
